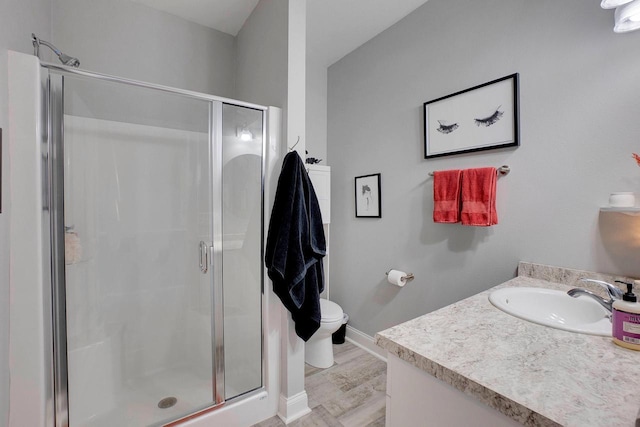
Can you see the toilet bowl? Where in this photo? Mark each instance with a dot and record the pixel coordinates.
(318, 351)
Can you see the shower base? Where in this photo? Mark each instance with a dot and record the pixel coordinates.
(137, 403)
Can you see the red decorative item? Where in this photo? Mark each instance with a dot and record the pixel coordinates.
(637, 157)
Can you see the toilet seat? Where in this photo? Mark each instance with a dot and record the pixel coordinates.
(330, 311)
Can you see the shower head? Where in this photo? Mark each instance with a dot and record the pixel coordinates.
(65, 59)
(68, 60)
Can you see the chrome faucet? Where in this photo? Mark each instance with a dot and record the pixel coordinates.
(613, 291)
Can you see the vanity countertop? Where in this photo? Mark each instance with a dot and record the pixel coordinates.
(537, 375)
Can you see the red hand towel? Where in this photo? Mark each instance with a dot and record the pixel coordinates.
(479, 197)
(446, 196)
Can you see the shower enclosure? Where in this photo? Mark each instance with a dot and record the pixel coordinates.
(154, 208)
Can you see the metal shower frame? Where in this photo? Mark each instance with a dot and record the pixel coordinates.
(53, 233)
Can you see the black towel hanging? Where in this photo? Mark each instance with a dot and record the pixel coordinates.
(296, 246)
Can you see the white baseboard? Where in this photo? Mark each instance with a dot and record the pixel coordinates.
(365, 342)
(294, 407)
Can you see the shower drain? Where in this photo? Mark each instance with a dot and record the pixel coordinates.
(167, 402)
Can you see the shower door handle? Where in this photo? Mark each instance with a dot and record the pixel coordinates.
(204, 257)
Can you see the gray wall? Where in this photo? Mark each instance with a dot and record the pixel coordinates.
(18, 19)
(262, 55)
(579, 126)
(127, 39)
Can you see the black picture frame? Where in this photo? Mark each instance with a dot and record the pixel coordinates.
(0, 170)
(368, 197)
(483, 117)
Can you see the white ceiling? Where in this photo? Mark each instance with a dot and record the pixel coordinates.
(227, 16)
(337, 27)
(334, 27)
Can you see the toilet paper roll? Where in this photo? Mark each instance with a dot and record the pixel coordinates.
(396, 277)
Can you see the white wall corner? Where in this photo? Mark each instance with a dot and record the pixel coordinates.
(293, 397)
(293, 402)
(30, 380)
(293, 407)
(295, 119)
(289, 355)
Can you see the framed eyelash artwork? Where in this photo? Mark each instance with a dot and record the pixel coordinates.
(483, 117)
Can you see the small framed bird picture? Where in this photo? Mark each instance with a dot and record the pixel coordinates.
(368, 198)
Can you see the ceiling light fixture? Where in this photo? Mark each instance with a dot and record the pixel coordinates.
(610, 4)
(627, 17)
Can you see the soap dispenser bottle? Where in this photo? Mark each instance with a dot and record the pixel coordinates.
(626, 319)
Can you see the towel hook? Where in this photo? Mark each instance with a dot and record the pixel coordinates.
(294, 145)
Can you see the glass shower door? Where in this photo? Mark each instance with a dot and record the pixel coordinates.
(242, 145)
(139, 223)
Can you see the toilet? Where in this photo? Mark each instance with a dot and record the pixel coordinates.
(318, 351)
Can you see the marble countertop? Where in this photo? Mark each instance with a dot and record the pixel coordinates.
(537, 375)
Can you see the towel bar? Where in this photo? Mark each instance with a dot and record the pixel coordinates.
(502, 170)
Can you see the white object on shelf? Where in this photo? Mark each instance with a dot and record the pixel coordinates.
(622, 200)
(321, 179)
(626, 211)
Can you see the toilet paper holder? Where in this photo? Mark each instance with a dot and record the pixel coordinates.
(408, 277)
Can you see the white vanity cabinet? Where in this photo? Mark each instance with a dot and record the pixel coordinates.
(416, 399)
(321, 180)
(472, 364)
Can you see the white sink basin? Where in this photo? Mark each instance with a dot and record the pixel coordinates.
(555, 309)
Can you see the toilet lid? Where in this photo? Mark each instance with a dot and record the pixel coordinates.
(330, 311)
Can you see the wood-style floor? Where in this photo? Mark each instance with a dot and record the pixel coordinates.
(349, 394)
